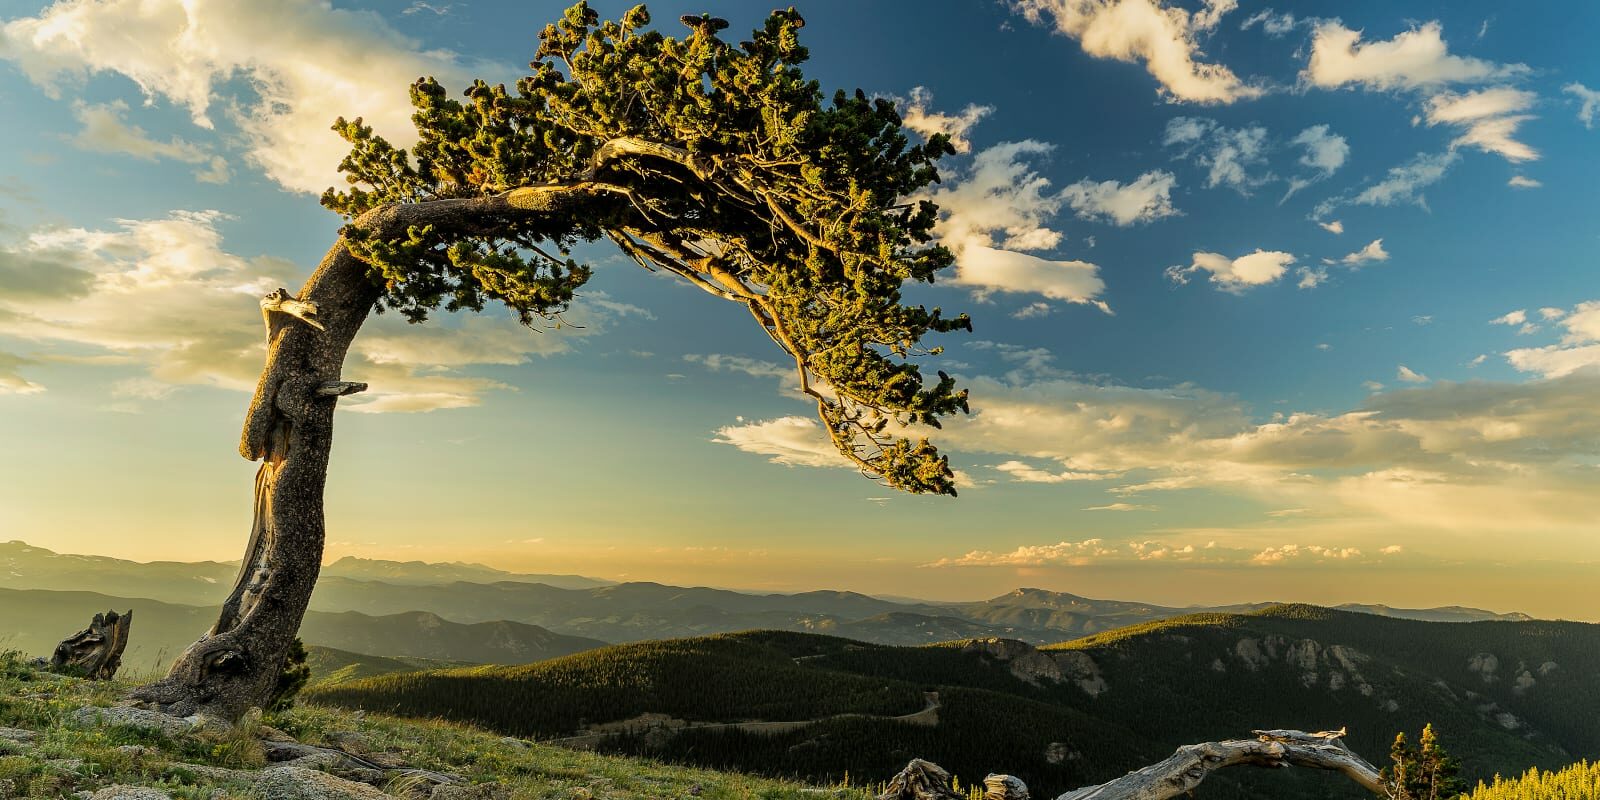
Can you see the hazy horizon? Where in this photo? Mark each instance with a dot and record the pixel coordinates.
(1266, 307)
(1111, 591)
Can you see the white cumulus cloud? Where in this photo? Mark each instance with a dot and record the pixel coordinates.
(1146, 198)
(1164, 38)
(1413, 59)
(1236, 274)
(282, 70)
(997, 209)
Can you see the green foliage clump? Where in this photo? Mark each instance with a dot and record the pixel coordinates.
(1424, 772)
(717, 162)
(1580, 781)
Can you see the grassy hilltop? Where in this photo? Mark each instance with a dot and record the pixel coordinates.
(42, 754)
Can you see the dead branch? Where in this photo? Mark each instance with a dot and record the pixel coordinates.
(1178, 774)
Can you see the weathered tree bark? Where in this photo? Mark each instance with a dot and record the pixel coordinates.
(920, 780)
(1179, 774)
(96, 651)
(289, 428)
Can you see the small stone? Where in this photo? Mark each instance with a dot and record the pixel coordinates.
(299, 783)
(133, 750)
(514, 742)
(17, 735)
(271, 734)
(120, 792)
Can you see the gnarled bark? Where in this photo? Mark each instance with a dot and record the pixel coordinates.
(96, 651)
(289, 429)
(1179, 774)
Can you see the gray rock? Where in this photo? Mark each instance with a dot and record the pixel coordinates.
(476, 791)
(130, 793)
(17, 735)
(219, 774)
(299, 783)
(514, 742)
(71, 766)
(136, 718)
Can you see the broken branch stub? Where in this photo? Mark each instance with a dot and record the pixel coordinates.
(96, 651)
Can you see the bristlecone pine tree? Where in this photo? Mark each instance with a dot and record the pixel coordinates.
(718, 163)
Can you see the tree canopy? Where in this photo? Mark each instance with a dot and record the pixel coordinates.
(727, 168)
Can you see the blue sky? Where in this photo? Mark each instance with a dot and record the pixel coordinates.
(1284, 301)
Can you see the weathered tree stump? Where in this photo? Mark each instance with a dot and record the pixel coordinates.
(920, 780)
(96, 651)
(1004, 787)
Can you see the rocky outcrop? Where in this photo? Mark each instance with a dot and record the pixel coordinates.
(1036, 667)
(1485, 665)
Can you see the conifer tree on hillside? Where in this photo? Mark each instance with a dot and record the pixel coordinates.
(1425, 772)
(719, 163)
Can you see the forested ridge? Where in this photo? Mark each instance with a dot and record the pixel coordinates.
(1096, 707)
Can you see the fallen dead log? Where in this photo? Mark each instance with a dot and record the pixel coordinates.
(1178, 774)
(96, 651)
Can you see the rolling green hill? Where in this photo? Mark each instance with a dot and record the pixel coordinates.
(857, 723)
(33, 621)
(331, 666)
(1504, 695)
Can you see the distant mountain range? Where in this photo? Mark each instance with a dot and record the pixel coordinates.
(429, 595)
(23, 566)
(34, 620)
(1504, 696)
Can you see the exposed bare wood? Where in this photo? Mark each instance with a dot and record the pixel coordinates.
(280, 301)
(96, 651)
(340, 388)
(920, 780)
(1181, 772)
(1004, 787)
(1178, 774)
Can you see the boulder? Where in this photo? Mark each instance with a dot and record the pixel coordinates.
(120, 792)
(299, 783)
(136, 718)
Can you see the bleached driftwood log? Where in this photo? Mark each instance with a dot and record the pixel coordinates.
(96, 651)
(1179, 774)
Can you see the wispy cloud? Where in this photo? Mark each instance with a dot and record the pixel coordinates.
(918, 115)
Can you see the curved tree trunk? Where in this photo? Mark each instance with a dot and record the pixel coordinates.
(289, 428)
